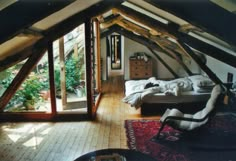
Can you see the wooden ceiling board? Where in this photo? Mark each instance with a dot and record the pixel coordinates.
(16, 44)
(68, 11)
(23, 13)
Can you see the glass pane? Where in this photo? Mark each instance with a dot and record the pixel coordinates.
(33, 94)
(73, 62)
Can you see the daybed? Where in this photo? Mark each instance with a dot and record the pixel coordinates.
(151, 95)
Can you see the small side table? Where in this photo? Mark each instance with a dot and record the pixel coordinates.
(130, 155)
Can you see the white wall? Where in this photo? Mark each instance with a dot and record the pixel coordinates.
(117, 71)
(160, 70)
(130, 47)
(106, 65)
(221, 69)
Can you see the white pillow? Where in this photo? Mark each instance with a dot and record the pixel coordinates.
(201, 81)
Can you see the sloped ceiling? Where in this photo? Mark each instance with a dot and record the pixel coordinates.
(203, 25)
(186, 26)
(47, 19)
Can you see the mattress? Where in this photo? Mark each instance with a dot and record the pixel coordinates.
(187, 97)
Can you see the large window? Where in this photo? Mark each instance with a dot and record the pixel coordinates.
(69, 74)
(70, 71)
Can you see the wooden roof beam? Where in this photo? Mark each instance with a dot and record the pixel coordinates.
(31, 32)
(127, 12)
(70, 23)
(147, 21)
(173, 29)
(132, 27)
(146, 42)
(164, 63)
(36, 55)
(111, 22)
(137, 38)
(203, 66)
(26, 20)
(16, 58)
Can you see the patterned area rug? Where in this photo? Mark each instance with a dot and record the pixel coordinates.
(214, 142)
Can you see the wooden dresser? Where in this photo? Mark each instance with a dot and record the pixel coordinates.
(140, 69)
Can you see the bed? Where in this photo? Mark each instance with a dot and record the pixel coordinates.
(153, 96)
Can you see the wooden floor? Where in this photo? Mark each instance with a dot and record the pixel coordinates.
(65, 141)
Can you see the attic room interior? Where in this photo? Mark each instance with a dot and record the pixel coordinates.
(93, 68)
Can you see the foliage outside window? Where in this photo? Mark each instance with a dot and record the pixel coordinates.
(74, 72)
(29, 90)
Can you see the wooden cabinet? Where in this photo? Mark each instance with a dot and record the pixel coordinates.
(140, 69)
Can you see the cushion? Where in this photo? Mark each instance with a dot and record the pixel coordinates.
(190, 125)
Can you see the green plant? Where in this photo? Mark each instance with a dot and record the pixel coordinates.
(72, 74)
(6, 80)
(74, 70)
(29, 90)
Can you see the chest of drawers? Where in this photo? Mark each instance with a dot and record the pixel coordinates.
(140, 69)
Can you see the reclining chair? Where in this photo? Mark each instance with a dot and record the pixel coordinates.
(188, 122)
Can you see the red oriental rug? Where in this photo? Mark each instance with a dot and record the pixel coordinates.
(214, 142)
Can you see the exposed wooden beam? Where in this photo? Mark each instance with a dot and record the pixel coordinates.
(189, 27)
(16, 58)
(134, 28)
(89, 76)
(62, 73)
(37, 53)
(209, 49)
(138, 38)
(70, 23)
(111, 22)
(31, 32)
(51, 78)
(203, 66)
(146, 20)
(56, 31)
(164, 63)
(98, 45)
(178, 58)
(215, 23)
(39, 11)
(108, 31)
(149, 32)
(173, 29)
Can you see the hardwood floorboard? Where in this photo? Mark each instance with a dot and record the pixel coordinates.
(65, 141)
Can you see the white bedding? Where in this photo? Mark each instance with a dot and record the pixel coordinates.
(190, 96)
(175, 91)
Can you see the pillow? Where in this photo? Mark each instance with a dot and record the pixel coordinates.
(206, 89)
(205, 83)
(151, 79)
(201, 81)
